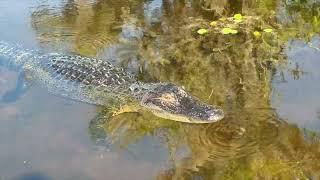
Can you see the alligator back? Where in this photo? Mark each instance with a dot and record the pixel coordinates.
(90, 80)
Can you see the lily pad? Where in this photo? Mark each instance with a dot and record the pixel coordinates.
(257, 34)
(238, 18)
(229, 31)
(268, 30)
(234, 31)
(202, 31)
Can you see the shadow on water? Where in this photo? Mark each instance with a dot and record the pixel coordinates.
(243, 72)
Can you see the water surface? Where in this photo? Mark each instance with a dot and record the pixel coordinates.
(267, 86)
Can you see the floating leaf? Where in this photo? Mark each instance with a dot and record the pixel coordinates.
(268, 30)
(225, 31)
(257, 34)
(234, 31)
(213, 23)
(238, 18)
(229, 31)
(202, 31)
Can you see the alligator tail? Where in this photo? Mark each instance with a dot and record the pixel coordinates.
(14, 56)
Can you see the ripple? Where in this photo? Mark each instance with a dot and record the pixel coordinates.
(233, 138)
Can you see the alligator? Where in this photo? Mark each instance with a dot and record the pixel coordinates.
(97, 81)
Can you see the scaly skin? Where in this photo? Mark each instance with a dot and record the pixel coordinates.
(96, 81)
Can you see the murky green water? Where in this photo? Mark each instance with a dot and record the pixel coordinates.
(266, 83)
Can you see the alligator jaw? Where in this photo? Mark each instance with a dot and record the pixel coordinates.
(173, 102)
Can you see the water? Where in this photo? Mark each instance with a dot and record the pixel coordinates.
(267, 86)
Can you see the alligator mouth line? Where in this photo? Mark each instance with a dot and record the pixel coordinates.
(173, 102)
(181, 118)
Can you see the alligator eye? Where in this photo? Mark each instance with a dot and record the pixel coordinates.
(167, 98)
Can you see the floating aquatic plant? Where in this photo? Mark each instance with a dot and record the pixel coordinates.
(229, 31)
(202, 31)
(238, 18)
(268, 30)
(256, 34)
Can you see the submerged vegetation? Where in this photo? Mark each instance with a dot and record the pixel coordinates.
(225, 52)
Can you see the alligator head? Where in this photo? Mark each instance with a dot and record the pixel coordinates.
(173, 102)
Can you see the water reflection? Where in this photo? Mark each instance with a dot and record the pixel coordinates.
(239, 76)
(242, 73)
(244, 143)
(292, 97)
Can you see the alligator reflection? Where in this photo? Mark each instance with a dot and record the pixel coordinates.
(233, 71)
(247, 143)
